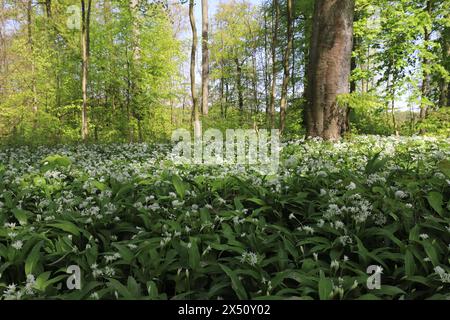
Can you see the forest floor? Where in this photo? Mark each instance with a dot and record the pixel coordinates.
(367, 218)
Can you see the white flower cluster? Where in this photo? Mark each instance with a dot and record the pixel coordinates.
(249, 257)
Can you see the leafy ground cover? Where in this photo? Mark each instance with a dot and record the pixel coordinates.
(140, 227)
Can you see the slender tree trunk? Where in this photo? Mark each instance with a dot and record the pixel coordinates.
(443, 87)
(195, 111)
(274, 64)
(286, 64)
(33, 67)
(444, 97)
(48, 8)
(222, 89)
(266, 67)
(85, 44)
(239, 85)
(329, 67)
(353, 87)
(293, 51)
(205, 57)
(255, 82)
(394, 119)
(426, 74)
(135, 78)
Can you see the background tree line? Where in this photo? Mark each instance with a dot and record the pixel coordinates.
(131, 71)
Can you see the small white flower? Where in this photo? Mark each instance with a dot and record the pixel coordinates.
(423, 236)
(401, 194)
(17, 245)
(351, 186)
(334, 264)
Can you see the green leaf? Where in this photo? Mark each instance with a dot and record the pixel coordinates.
(66, 226)
(33, 258)
(325, 287)
(444, 166)
(55, 161)
(194, 254)
(21, 216)
(127, 254)
(179, 186)
(436, 201)
(410, 266)
(133, 287)
(431, 252)
(235, 283)
(152, 289)
(120, 288)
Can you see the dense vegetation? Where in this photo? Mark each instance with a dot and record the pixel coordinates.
(137, 80)
(141, 227)
(91, 92)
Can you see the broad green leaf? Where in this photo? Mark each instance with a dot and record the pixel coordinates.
(410, 266)
(21, 216)
(66, 226)
(194, 254)
(179, 186)
(325, 287)
(236, 284)
(436, 201)
(33, 258)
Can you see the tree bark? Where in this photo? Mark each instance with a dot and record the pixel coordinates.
(266, 67)
(239, 85)
(274, 64)
(444, 97)
(286, 63)
(31, 48)
(195, 111)
(135, 109)
(48, 8)
(329, 67)
(205, 57)
(85, 44)
(426, 74)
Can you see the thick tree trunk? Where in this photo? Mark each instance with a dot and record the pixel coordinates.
(329, 67)
(205, 57)
(286, 63)
(85, 41)
(195, 111)
(274, 64)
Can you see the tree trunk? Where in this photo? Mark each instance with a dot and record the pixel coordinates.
(286, 63)
(353, 66)
(426, 74)
(255, 82)
(135, 108)
(33, 67)
(266, 67)
(274, 64)
(239, 85)
(205, 57)
(85, 43)
(444, 97)
(48, 8)
(329, 67)
(195, 111)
